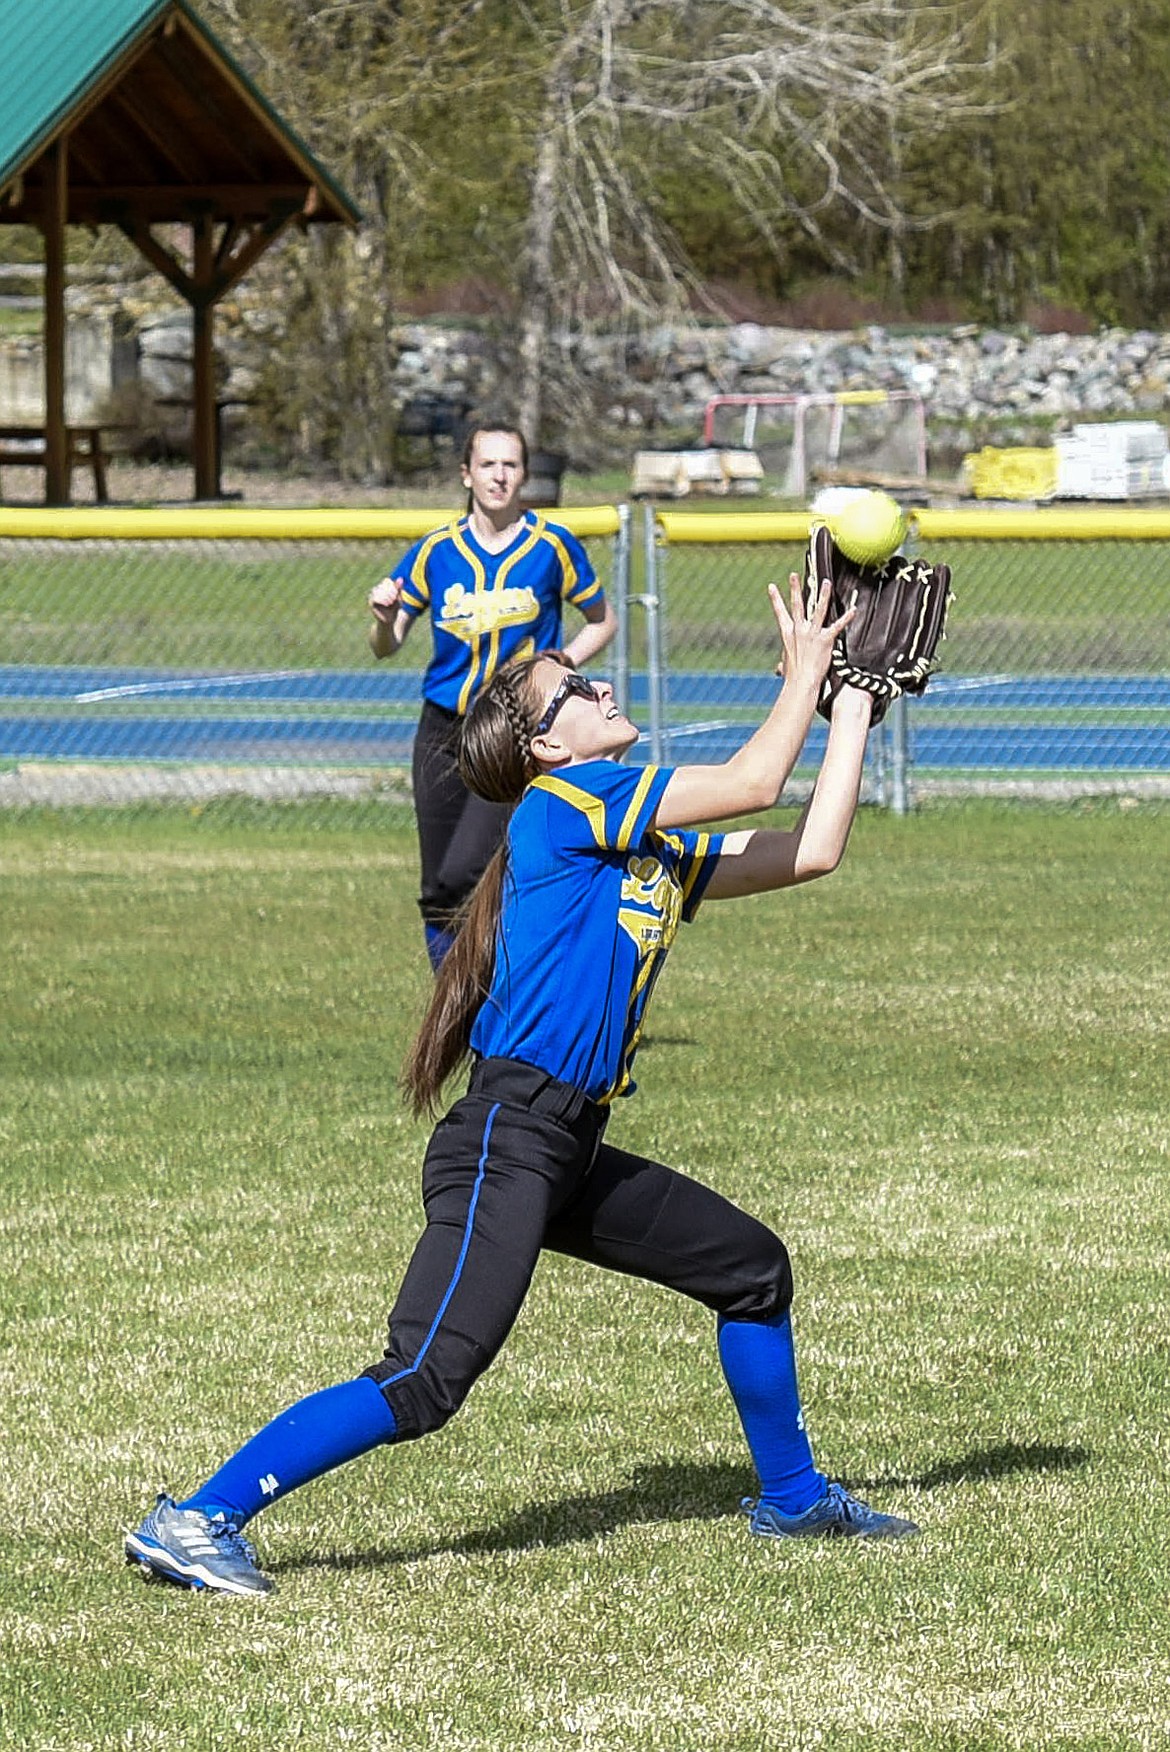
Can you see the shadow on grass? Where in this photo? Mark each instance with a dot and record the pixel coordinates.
(981, 1464)
(675, 1490)
(669, 1490)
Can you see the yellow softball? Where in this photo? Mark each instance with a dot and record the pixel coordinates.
(868, 528)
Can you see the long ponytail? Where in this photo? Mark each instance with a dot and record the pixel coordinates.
(496, 761)
(461, 984)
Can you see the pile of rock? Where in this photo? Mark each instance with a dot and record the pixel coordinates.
(978, 385)
(970, 379)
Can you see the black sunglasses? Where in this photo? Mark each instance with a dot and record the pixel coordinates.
(566, 688)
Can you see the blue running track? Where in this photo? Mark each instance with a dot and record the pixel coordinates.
(331, 717)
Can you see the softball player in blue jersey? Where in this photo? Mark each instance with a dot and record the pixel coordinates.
(546, 990)
(493, 584)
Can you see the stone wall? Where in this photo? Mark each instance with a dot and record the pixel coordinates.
(978, 385)
(961, 374)
(969, 378)
(92, 360)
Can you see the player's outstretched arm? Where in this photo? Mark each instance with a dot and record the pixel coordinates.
(759, 860)
(600, 627)
(753, 778)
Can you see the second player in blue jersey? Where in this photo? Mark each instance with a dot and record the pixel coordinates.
(493, 586)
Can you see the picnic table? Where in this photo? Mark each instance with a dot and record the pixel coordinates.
(23, 446)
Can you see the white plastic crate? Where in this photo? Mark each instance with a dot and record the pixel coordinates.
(1129, 459)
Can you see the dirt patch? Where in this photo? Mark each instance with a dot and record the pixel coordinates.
(148, 484)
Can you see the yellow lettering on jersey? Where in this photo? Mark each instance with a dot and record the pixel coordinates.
(469, 614)
(650, 912)
(697, 860)
(651, 887)
(645, 930)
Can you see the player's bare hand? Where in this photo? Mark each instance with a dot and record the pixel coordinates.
(806, 638)
(384, 599)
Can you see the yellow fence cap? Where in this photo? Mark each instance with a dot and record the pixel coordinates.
(733, 526)
(1052, 523)
(241, 523)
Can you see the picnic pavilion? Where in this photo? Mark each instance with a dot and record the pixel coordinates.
(131, 113)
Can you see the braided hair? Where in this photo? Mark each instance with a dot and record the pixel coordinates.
(497, 763)
(495, 746)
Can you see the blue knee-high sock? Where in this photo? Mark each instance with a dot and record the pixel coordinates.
(313, 1436)
(439, 942)
(759, 1364)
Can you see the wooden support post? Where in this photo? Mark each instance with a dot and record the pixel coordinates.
(57, 460)
(206, 417)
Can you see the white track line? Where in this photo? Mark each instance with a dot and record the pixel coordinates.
(187, 685)
(971, 683)
(677, 730)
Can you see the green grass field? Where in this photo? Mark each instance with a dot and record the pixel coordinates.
(1020, 606)
(941, 1075)
(214, 605)
(1023, 607)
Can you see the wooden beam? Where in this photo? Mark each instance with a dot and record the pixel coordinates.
(261, 237)
(170, 203)
(224, 197)
(157, 254)
(228, 261)
(206, 414)
(227, 242)
(91, 204)
(139, 112)
(55, 218)
(174, 52)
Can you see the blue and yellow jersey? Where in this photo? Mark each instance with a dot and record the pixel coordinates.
(487, 608)
(592, 899)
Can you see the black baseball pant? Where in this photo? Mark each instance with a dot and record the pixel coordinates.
(457, 831)
(520, 1164)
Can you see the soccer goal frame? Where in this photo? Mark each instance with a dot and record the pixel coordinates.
(839, 403)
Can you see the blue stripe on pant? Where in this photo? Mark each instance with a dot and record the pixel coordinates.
(518, 1165)
(460, 1262)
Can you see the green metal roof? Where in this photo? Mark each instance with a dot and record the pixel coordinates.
(57, 51)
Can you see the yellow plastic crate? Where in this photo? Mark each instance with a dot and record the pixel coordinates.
(1012, 474)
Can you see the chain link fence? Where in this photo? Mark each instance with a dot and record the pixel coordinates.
(1055, 673)
(190, 655)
